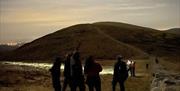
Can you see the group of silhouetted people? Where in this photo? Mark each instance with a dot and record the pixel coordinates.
(74, 74)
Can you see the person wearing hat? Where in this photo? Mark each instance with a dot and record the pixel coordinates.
(120, 74)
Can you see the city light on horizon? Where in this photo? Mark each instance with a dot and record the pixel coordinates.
(26, 20)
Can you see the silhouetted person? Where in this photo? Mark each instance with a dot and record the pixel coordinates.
(91, 70)
(128, 63)
(132, 68)
(156, 60)
(55, 73)
(67, 72)
(120, 74)
(77, 74)
(147, 66)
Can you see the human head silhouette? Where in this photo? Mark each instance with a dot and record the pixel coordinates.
(57, 60)
(119, 58)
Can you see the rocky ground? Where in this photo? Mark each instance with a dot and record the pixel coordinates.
(164, 79)
(23, 78)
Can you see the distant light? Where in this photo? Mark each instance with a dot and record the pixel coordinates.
(12, 44)
(47, 66)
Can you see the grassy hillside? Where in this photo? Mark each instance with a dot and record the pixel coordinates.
(173, 31)
(5, 48)
(93, 42)
(152, 41)
(104, 40)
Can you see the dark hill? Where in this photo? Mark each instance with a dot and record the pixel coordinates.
(174, 31)
(103, 40)
(151, 41)
(93, 42)
(6, 48)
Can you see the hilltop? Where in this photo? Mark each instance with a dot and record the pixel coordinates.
(104, 40)
(173, 31)
(151, 41)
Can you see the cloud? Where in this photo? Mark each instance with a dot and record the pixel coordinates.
(49, 15)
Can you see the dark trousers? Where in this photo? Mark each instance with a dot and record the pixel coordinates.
(132, 71)
(121, 84)
(56, 84)
(94, 82)
(78, 83)
(66, 82)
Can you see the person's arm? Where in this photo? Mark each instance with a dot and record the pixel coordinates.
(99, 67)
(51, 69)
(85, 69)
(65, 68)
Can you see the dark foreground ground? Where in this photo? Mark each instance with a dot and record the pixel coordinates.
(25, 78)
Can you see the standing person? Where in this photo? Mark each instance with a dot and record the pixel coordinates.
(91, 70)
(132, 68)
(120, 74)
(128, 63)
(77, 74)
(156, 60)
(67, 72)
(55, 73)
(147, 66)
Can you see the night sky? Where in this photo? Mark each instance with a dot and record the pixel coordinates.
(25, 20)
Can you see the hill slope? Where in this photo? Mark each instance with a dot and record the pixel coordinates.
(174, 31)
(103, 40)
(152, 41)
(93, 42)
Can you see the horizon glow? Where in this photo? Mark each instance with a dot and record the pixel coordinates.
(26, 20)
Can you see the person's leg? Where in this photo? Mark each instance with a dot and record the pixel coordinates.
(82, 88)
(65, 84)
(131, 70)
(81, 85)
(73, 86)
(90, 86)
(122, 86)
(57, 87)
(56, 84)
(134, 72)
(60, 86)
(98, 84)
(114, 82)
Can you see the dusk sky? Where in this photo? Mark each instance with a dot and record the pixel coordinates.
(26, 20)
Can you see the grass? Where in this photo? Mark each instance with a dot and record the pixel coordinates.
(39, 80)
(105, 40)
(171, 64)
(139, 83)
